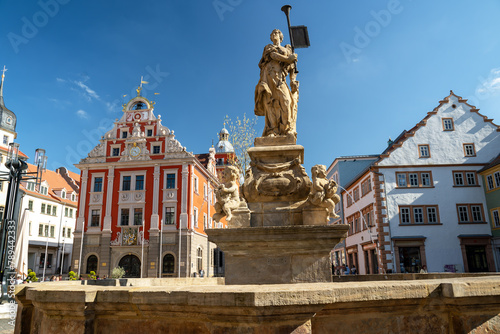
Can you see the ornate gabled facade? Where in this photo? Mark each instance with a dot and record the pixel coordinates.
(144, 201)
(421, 203)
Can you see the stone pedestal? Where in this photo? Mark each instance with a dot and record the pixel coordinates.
(278, 254)
(276, 183)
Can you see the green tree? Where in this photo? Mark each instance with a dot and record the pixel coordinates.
(242, 134)
(72, 276)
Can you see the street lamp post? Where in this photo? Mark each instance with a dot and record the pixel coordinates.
(16, 172)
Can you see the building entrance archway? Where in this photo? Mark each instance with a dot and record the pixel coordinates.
(132, 266)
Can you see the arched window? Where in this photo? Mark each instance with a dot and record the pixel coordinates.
(168, 264)
(91, 264)
(199, 258)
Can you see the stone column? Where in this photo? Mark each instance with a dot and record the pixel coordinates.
(183, 219)
(109, 200)
(156, 199)
(80, 222)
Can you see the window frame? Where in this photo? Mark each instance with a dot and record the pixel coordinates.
(464, 177)
(495, 218)
(406, 177)
(470, 213)
(93, 218)
(420, 153)
(444, 119)
(168, 181)
(94, 184)
(467, 146)
(169, 214)
(366, 186)
(408, 211)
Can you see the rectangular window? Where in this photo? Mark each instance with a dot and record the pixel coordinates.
(405, 215)
(424, 151)
(126, 183)
(43, 208)
(97, 184)
(46, 230)
(150, 132)
(52, 231)
(496, 218)
(497, 179)
(431, 215)
(5, 140)
(195, 217)
(66, 212)
(470, 213)
(138, 216)
(356, 194)
(423, 214)
(401, 180)
(156, 149)
(349, 199)
(169, 216)
(426, 179)
(96, 217)
(448, 124)
(170, 181)
(69, 233)
(124, 134)
(139, 182)
(195, 184)
(40, 230)
(413, 178)
(49, 209)
(64, 232)
(476, 213)
(54, 210)
(116, 151)
(124, 217)
(464, 178)
(489, 179)
(418, 215)
(366, 187)
(471, 178)
(30, 205)
(463, 213)
(70, 213)
(469, 150)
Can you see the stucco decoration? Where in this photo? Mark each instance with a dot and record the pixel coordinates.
(227, 195)
(117, 241)
(96, 155)
(274, 99)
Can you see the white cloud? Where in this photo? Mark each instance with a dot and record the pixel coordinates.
(89, 93)
(60, 80)
(82, 114)
(491, 84)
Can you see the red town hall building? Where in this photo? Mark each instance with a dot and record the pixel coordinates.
(145, 202)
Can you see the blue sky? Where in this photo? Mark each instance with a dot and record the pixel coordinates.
(374, 68)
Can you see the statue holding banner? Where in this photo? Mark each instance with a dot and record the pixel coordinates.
(274, 99)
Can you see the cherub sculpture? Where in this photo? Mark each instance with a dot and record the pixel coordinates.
(323, 191)
(227, 194)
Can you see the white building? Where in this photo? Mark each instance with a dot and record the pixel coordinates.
(50, 214)
(428, 204)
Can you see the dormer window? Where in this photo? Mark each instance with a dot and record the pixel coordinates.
(63, 194)
(73, 197)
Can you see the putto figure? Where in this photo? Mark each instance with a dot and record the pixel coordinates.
(273, 98)
(323, 191)
(227, 195)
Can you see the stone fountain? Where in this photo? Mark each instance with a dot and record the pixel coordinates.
(278, 223)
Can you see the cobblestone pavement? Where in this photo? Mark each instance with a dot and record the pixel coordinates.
(5, 327)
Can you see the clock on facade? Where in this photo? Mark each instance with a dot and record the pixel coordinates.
(135, 151)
